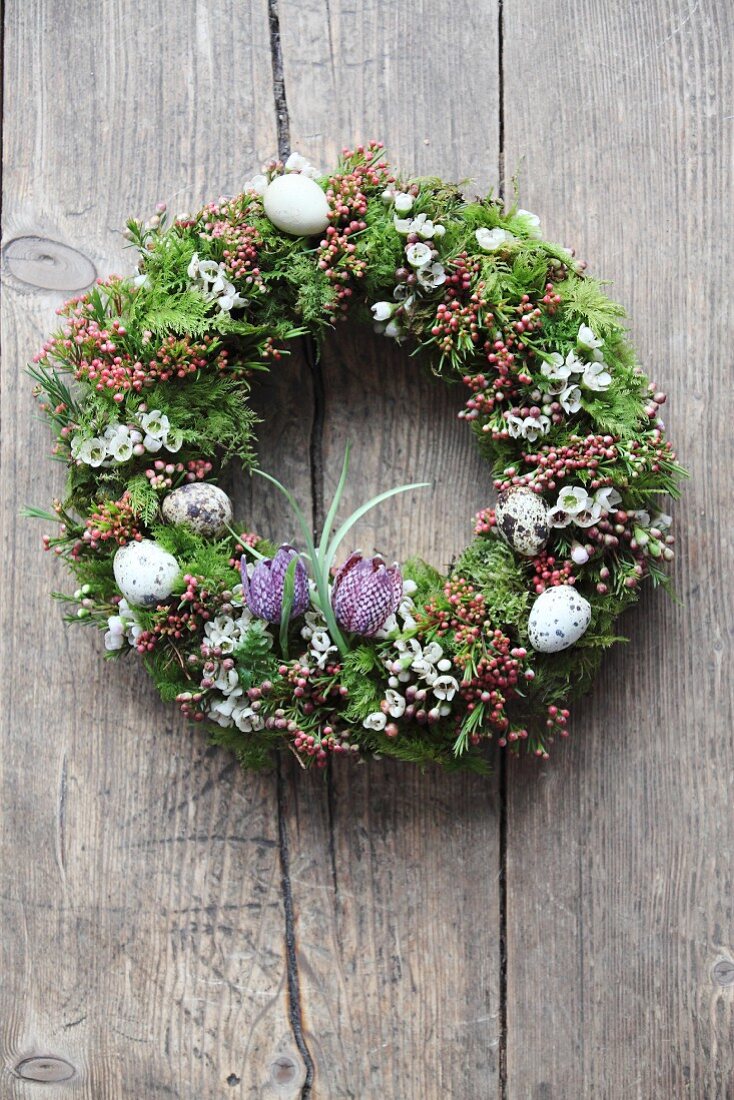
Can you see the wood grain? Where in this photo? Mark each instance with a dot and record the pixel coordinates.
(143, 938)
(619, 871)
(399, 935)
(174, 928)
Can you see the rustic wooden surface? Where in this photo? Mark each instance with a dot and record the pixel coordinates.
(173, 928)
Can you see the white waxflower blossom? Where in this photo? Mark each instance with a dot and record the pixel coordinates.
(596, 377)
(586, 339)
(92, 452)
(155, 424)
(489, 240)
(588, 516)
(394, 329)
(535, 426)
(403, 202)
(531, 222)
(395, 703)
(409, 588)
(557, 517)
(402, 225)
(224, 632)
(574, 364)
(514, 425)
(418, 254)
(573, 500)
(123, 626)
(445, 687)
(556, 372)
(383, 311)
(152, 444)
(298, 163)
(608, 498)
(258, 184)
(431, 276)
(570, 399)
(174, 440)
(120, 447)
(375, 721)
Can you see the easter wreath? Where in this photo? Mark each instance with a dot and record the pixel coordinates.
(147, 384)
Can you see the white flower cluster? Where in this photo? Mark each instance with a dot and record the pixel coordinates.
(119, 442)
(320, 644)
(295, 163)
(562, 375)
(232, 707)
(210, 278)
(426, 671)
(122, 627)
(528, 427)
(576, 506)
(429, 273)
(491, 240)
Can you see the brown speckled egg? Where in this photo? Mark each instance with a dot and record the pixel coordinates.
(522, 520)
(204, 508)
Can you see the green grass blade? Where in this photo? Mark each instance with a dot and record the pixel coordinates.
(361, 511)
(331, 517)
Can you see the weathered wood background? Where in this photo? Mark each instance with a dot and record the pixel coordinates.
(173, 928)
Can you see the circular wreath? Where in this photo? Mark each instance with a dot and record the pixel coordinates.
(147, 386)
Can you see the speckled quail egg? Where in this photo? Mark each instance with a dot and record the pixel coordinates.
(205, 509)
(145, 573)
(558, 618)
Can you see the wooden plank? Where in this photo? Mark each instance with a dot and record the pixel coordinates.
(143, 938)
(398, 939)
(619, 873)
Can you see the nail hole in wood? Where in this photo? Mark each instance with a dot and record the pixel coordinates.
(48, 265)
(723, 972)
(45, 1069)
(233, 1080)
(283, 1070)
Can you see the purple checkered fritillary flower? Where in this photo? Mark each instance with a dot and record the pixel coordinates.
(366, 593)
(263, 591)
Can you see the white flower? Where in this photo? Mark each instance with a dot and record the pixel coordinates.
(393, 329)
(534, 426)
(403, 202)
(418, 255)
(431, 275)
(402, 225)
(115, 636)
(92, 452)
(155, 424)
(193, 269)
(120, 447)
(143, 279)
(514, 425)
(258, 184)
(395, 703)
(433, 652)
(531, 223)
(556, 372)
(124, 625)
(489, 240)
(388, 196)
(174, 440)
(152, 444)
(424, 227)
(586, 339)
(375, 721)
(557, 517)
(607, 498)
(574, 500)
(409, 588)
(589, 515)
(574, 364)
(383, 311)
(224, 632)
(445, 687)
(596, 377)
(570, 399)
(298, 163)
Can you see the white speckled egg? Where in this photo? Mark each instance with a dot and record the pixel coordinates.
(558, 618)
(204, 508)
(145, 572)
(297, 205)
(522, 520)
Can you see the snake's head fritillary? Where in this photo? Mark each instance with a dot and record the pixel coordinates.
(366, 593)
(263, 590)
